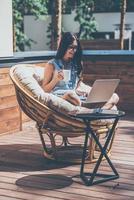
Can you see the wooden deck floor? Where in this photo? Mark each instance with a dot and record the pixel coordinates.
(25, 174)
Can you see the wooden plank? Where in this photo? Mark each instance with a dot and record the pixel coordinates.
(10, 125)
(9, 113)
(100, 44)
(7, 102)
(112, 63)
(4, 70)
(48, 182)
(5, 79)
(25, 174)
(7, 90)
(75, 191)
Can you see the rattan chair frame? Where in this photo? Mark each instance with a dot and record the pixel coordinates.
(51, 123)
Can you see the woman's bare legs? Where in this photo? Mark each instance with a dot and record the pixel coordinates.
(112, 101)
(73, 98)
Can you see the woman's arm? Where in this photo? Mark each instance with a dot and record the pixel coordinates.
(51, 77)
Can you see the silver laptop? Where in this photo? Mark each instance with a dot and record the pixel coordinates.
(101, 92)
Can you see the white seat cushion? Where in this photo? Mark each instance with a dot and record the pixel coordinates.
(29, 77)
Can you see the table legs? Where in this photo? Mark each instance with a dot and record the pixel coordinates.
(94, 177)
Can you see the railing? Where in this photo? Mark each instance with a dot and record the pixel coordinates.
(41, 56)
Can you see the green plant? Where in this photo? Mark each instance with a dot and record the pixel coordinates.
(21, 8)
(84, 15)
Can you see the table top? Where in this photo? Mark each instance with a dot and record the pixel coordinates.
(100, 114)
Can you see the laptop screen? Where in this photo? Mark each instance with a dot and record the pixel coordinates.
(102, 90)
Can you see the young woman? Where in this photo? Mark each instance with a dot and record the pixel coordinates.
(68, 57)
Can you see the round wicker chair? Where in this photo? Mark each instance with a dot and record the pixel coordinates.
(61, 135)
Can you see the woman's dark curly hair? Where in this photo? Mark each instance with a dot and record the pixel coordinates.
(66, 40)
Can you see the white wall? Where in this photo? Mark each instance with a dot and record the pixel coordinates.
(106, 21)
(69, 24)
(6, 35)
(36, 29)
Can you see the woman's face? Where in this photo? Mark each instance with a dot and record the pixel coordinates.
(71, 51)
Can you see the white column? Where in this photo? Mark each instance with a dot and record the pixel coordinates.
(6, 28)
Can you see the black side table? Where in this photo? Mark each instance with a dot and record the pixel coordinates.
(97, 114)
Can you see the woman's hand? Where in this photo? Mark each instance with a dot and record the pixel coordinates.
(58, 75)
(82, 89)
(72, 97)
(51, 77)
